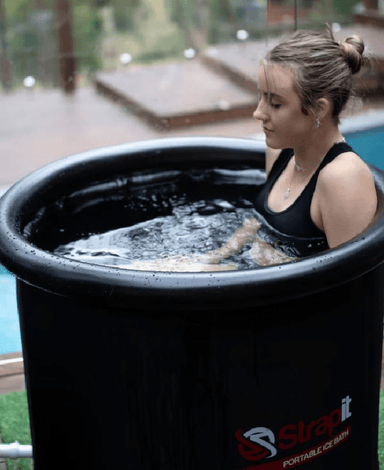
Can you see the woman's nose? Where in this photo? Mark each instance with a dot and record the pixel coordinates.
(260, 113)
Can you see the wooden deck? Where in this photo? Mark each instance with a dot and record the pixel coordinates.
(177, 95)
(218, 85)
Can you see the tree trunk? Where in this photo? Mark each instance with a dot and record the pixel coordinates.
(371, 4)
(65, 37)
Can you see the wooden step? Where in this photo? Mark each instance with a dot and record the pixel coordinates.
(178, 94)
(220, 85)
(240, 62)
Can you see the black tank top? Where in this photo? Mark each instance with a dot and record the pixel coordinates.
(294, 226)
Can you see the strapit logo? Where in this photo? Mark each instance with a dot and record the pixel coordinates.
(260, 443)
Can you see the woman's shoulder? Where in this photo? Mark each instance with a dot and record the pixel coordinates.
(347, 197)
(348, 167)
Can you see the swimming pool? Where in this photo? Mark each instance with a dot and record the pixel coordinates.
(10, 339)
(363, 134)
(369, 144)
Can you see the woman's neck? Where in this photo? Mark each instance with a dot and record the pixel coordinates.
(311, 150)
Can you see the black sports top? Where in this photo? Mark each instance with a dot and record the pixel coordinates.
(294, 226)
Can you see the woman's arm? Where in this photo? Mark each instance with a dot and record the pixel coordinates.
(262, 253)
(245, 234)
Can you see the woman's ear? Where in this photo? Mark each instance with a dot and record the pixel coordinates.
(323, 107)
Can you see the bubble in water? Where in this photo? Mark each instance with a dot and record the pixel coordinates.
(336, 28)
(125, 58)
(189, 53)
(242, 35)
(29, 82)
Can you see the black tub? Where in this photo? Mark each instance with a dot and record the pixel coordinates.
(271, 368)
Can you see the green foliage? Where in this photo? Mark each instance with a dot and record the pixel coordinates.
(123, 20)
(186, 12)
(33, 43)
(183, 12)
(87, 35)
(124, 13)
(381, 431)
(141, 28)
(344, 7)
(14, 425)
(17, 11)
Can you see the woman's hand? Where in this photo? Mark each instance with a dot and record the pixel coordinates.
(265, 254)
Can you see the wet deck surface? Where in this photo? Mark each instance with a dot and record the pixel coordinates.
(244, 58)
(177, 95)
(220, 84)
(41, 127)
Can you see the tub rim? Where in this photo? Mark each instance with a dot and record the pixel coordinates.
(103, 284)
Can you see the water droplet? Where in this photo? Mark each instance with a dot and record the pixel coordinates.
(29, 82)
(212, 52)
(224, 105)
(189, 53)
(125, 58)
(242, 35)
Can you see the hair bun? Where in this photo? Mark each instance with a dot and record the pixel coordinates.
(353, 48)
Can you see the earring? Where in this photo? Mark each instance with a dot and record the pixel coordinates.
(318, 123)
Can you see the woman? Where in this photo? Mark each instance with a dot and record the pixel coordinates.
(319, 193)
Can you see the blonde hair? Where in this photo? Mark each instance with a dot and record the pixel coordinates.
(323, 67)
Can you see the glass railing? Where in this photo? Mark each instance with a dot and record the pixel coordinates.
(46, 44)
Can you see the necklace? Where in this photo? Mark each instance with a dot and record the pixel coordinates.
(300, 168)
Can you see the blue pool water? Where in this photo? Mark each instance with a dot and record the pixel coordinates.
(10, 340)
(369, 144)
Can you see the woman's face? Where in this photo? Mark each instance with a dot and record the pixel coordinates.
(280, 109)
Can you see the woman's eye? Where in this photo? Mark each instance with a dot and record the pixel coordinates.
(260, 96)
